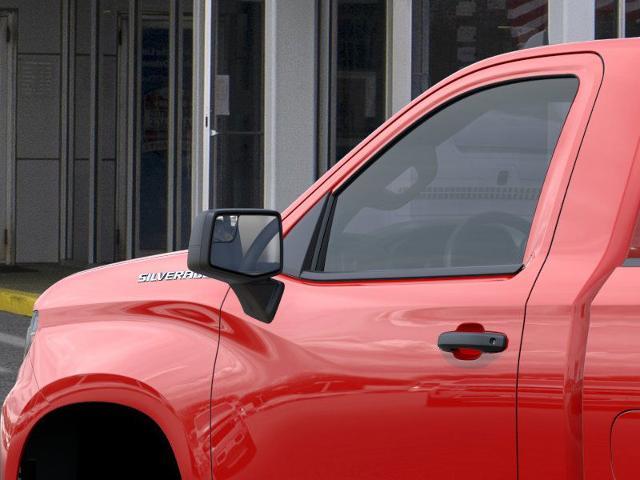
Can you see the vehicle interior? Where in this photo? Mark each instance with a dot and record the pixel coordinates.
(458, 190)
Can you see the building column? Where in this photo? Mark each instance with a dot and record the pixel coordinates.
(201, 135)
(290, 99)
(399, 61)
(571, 20)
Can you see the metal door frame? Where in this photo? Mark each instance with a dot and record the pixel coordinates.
(9, 235)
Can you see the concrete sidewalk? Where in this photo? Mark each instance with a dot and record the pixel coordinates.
(20, 285)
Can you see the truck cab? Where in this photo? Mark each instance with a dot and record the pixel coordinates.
(456, 298)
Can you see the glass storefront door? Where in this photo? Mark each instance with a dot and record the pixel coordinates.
(162, 172)
(352, 72)
(152, 170)
(361, 72)
(237, 104)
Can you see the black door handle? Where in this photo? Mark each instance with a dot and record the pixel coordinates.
(486, 342)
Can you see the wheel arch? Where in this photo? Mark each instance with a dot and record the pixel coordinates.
(109, 391)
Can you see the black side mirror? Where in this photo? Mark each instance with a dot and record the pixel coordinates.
(241, 247)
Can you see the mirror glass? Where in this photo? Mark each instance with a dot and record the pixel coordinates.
(247, 244)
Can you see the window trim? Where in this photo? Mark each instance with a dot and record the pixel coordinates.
(417, 274)
(321, 239)
(295, 269)
(319, 244)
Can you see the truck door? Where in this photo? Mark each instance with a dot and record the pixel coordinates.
(612, 378)
(579, 370)
(394, 353)
(610, 410)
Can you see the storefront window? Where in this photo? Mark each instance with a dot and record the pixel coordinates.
(160, 165)
(449, 35)
(606, 19)
(632, 18)
(153, 172)
(360, 88)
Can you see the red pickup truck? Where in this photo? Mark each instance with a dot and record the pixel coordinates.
(459, 297)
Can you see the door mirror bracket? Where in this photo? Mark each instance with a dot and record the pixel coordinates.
(243, 248)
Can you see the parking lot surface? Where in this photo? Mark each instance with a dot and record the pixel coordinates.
(12, 332)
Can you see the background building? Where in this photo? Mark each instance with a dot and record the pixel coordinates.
(121, 119)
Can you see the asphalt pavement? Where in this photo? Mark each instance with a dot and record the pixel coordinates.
(13, 329)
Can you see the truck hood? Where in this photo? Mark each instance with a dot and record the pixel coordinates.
(161, 278)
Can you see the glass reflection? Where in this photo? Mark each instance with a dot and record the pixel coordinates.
(448, 36)
(360, 89)
(238, 99)
(606, 19)
(632, 18)
(153, 175)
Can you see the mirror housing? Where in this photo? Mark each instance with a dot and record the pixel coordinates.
(243, 248)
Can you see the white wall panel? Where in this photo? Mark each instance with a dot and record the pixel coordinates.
(108, 126)
(82, 87)
(106, 214)
(38, 24)
(83, 27)
(38, 129)
(37, 211)
(80, 210)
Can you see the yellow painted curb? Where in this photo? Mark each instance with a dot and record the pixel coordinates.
(14, 301)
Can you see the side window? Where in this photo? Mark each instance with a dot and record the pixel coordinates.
(457, 192)
(300, 240)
